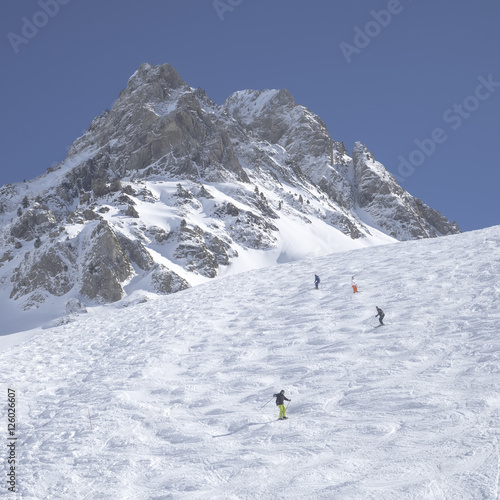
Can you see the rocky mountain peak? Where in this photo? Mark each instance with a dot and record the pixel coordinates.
(168, 189)
(162, 76)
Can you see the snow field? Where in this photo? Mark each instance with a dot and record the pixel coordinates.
(176, 386)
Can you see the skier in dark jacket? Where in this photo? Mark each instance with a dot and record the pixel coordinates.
(280, 402)
(316, 280)
(380, 314)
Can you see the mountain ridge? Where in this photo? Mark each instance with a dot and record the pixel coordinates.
(173, 189)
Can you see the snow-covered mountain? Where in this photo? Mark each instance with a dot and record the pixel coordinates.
(170, 397)
(168, 189)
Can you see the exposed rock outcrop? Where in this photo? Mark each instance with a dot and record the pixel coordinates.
(392, 208)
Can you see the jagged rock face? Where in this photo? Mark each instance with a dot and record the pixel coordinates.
(75, 306)
(165, 281)
(274, 117)
(391, 207)
(107, 265)
(167, 188)
(193, 250)
(49, 269)
(247, 228)
(263, 113)
(158, 125)
(136, 252)
(32, 223)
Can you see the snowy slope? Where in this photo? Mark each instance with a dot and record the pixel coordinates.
(176, 386)
(299, 233)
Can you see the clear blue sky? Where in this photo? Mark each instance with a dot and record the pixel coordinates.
(384, 72)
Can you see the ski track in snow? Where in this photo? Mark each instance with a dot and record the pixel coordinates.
(175, 386)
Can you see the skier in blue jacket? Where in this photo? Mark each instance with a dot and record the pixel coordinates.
(316, 280)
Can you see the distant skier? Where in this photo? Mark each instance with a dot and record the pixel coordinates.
(380, 314)
(280, 402)
(354, 286)
(316, 280)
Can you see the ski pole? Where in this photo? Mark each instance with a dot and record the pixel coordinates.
(268, 402)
